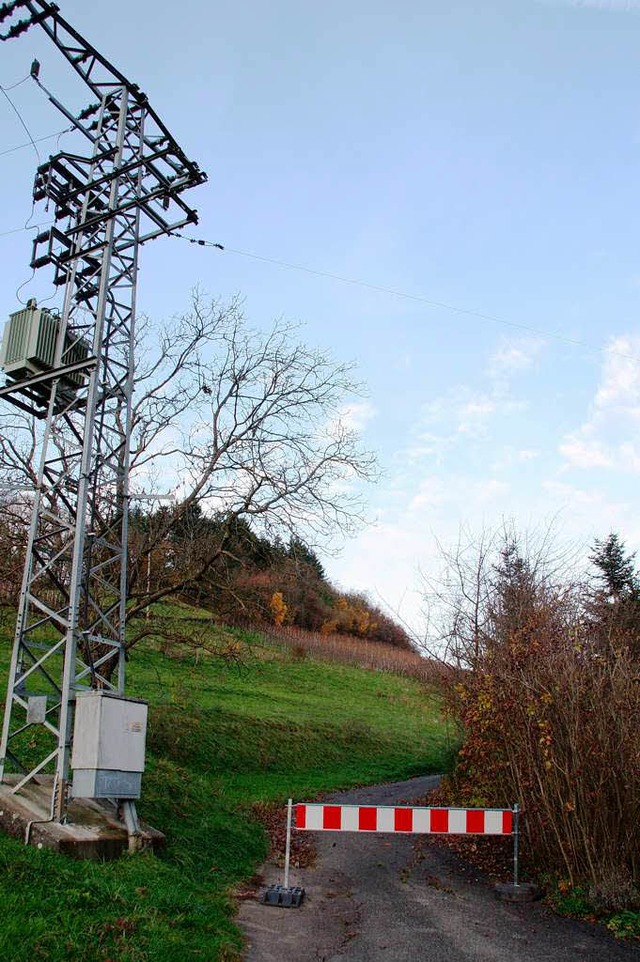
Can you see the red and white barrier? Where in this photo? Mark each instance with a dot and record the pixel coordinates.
(401, 819)
(417, 820)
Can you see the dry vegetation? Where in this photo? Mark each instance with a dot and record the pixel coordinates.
(347, 650)
(549, 703)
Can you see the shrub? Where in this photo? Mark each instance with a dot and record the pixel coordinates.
(553, 723)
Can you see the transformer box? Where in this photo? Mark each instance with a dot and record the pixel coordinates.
(108, 752)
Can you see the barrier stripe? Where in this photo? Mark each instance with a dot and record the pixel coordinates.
(332, 817)
(367, 819)
(405, 819)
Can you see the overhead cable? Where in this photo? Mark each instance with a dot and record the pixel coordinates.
(469, 312)
(20, 118)
(18, 84)
(38, 140)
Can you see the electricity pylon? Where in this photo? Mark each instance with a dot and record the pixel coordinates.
(123, 192)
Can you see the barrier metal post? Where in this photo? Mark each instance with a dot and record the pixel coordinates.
(284, 895)
(287, 851)
(516, 846)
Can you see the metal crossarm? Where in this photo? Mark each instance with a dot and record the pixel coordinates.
(71, 617)
(97, 72)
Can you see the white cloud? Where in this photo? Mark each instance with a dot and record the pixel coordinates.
(357, 415)
(620, 387)
(584, 452)
(512, 456)
(514, 355)
(463, 411)
(492, 490)
(570, 494)
(426, 446)
(589, 512)
(473, 415)
(630, 457)
(447, 421)
(607, 438)
(428, 495)
(468, 411)
(354, 416)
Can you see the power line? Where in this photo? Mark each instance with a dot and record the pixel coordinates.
(420, 298)
(38, 140)
(18, 84)
(19, 116)
(27, 226)
(18, 230)
(469, 312)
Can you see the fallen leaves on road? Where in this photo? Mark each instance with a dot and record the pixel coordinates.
(274, 819)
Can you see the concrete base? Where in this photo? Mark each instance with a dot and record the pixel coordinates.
(507, 892)
(92, 831)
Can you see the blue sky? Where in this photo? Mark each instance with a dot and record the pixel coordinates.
(484, 156)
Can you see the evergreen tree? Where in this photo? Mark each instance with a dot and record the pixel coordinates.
(515, 593)
(301, 553)
(614, 605)
(617, 572)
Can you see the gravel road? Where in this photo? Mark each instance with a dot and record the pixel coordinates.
(368, 899)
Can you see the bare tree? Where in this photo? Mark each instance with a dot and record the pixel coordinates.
(234, 423)
(465, 602)
(19, 438)
(456, 599)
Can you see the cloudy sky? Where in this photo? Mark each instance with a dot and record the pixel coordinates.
(481, 160)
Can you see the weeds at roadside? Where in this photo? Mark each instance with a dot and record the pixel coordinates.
(575, 902)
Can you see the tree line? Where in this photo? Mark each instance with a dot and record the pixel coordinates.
(257, 580)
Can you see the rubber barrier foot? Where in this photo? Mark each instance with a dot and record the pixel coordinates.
(286, 898)
(507, 892)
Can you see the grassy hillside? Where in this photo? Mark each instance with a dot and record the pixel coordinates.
(223, 735)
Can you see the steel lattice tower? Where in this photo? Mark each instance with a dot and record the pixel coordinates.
(126, 190)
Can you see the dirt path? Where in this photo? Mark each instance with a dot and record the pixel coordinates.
(369, 899)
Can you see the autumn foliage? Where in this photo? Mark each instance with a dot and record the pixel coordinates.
(278, 608)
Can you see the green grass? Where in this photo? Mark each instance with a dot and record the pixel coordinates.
(221, 737)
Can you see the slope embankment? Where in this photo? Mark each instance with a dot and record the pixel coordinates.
(235, 720)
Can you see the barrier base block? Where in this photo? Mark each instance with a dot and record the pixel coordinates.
(507, 892)
(286, 898)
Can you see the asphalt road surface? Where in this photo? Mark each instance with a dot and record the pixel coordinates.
(369, 899)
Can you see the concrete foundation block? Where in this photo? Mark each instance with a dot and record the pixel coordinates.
(92, 830)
